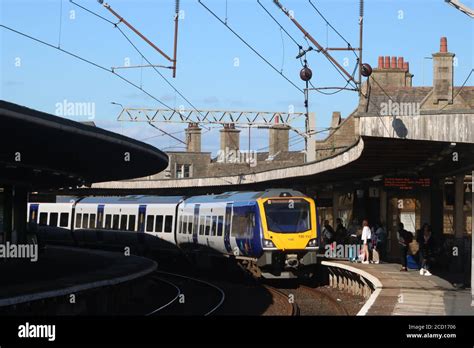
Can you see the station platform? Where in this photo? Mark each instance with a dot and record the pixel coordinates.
(407, 293)
(61, 271)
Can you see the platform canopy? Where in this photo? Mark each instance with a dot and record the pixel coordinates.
(40, 151)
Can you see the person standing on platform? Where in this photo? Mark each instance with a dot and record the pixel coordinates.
(426, 242)
(366, 237)
(341, 231)
(404, 239)
(380, 242)
(328, 233)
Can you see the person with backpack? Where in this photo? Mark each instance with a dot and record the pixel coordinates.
(426, 252)
(404, 239)
(341, 232)
(380, 242)
(328, 233)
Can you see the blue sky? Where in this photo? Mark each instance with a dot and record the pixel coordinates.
(40, 77)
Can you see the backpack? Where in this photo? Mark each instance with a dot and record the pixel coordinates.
(407, 236)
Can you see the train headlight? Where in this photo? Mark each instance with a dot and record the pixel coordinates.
(312, 243)
(267, 243)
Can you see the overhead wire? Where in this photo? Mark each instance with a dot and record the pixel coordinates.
(84, 60)
(281, 26)
(250, 46)
(332, 27)
(115, 25)
(461, 88)
(60, 22)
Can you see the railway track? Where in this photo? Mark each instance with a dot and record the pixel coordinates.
(292, 308)
(312, 301)
(191, 296)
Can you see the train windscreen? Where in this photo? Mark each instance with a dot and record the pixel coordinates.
(287, 215)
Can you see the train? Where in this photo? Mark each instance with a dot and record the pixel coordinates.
(271, 233)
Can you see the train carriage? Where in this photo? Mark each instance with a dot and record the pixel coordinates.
(273, 232)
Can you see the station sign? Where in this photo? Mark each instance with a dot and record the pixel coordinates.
(407, 183)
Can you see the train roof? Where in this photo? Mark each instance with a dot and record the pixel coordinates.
(239, 196)
(236, 196)
(132, 199)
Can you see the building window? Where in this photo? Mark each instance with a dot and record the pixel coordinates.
(183, 171)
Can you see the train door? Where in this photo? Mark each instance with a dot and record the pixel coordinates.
(196, 223)
(228, 226)
(141, 218)
(33, 213)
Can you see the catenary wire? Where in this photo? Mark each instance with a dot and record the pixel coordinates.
(249, 46)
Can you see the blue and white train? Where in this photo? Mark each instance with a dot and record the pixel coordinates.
(273, 231)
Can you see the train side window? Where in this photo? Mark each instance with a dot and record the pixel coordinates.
(214, 226)
(149, 223)
(131, 222)
(168, 223)
(180, 225)
(184, 226)
(43, 219)
(92, 221)
(201, 225)
(78, 220)
(190, 224)
(243, 225)
(108, 221)
(85, 220)
(53, 219)
(220, 225)
(208, 225)
(63, 219)
(159, 223)
(123, 222)
(115, 222)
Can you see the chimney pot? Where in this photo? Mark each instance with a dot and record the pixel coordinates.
(443, 47)
(394, 63)
(387, 62)
(400, 63)
(406, 66)
(380, 62)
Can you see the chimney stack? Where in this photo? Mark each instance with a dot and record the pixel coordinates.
(278, 138)
(443, 73)
(193, 138)
(230, 138)
(392, 72)
(335, 121)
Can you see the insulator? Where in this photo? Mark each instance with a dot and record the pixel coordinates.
(366, 70)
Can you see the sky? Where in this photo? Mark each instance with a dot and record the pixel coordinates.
(215, 70)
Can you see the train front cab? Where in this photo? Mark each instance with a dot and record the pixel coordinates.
(289, 235)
